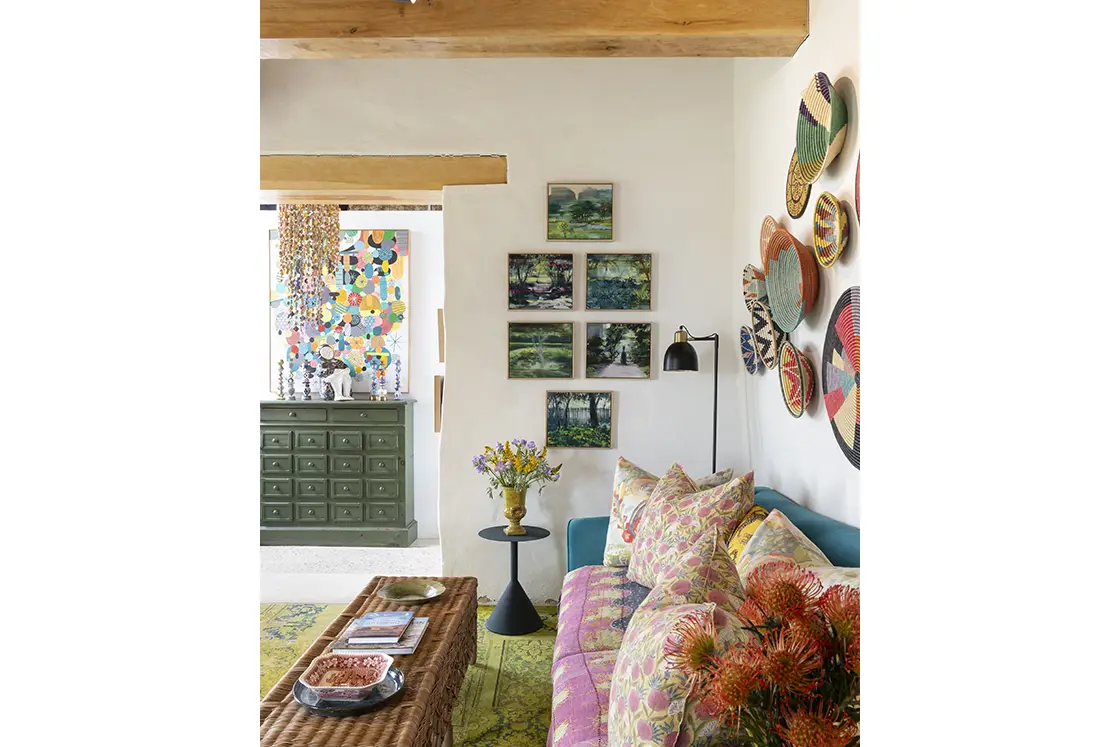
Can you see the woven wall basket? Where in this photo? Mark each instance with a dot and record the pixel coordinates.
(765, 336)
(769, 226)
(840, 373)
(797, 191)
(797, 378)
(754, 284)
(791, 280)
(857, 185)
(751, 361)
(830, 229)
(822, 125)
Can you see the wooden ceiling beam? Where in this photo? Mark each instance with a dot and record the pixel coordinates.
(318, 29)
(342, 175)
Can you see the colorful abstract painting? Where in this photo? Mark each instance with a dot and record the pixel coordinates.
(363, 313)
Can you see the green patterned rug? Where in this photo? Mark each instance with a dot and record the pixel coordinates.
(506, 698)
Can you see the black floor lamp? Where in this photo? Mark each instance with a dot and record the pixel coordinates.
(681, 356)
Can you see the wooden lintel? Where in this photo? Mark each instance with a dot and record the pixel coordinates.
(370, 174)
(352, 197)
(294, 29)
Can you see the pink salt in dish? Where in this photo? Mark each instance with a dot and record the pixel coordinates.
(338, 677)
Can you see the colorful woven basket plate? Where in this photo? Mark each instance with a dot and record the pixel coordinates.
(822, 125)
(754, 284)
(750, 353)
(840, 373)
(797, 379)
(765, 342)
(797, 191)
(769, 226)
(830, 229)
(857, 185)
(791, 280)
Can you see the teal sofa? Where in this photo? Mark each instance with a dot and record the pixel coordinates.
(587, 536)
(597, 602)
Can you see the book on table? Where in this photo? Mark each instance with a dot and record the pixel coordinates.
(405, 646)
(378, 627)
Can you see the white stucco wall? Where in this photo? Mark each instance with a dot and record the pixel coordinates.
(661, 130)
(798, 457)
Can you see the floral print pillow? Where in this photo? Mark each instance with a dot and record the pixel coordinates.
(746, 529)
(677, 514)
(705, 573)
(777, 538)
(633, 487)
(651, 703)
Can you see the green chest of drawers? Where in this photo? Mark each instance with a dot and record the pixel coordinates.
(337, 474)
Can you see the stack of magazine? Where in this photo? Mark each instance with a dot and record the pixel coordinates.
(392, 633)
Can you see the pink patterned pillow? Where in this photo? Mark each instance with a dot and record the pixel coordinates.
(705, 573)
(677, 514)
(651, 703)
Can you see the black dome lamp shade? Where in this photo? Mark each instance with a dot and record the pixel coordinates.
(681, 356)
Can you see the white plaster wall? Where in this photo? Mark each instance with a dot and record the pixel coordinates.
(661, 130)
(425, 291)
(798, 457)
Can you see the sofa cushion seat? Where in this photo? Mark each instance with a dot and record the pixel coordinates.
(596, 605)
(581, 689)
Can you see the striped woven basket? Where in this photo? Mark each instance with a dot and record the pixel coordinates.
(769, 226)
(822, 126)
(791, 280)
(830, 229)
(751, 361)
(797, 379)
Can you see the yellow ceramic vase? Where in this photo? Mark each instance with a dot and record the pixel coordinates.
(515, 510)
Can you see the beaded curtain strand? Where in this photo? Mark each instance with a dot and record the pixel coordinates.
(309, 246)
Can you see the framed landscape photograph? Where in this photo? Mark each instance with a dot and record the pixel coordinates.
(620, 281)
(580, 212)
(541, 351)
(578, 420)
(541, 281)
(618, 350)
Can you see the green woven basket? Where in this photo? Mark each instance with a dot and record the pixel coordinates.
(822, 126)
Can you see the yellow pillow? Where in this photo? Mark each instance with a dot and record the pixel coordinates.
(746, 529)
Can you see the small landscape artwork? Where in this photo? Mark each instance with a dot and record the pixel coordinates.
(540, 281)
(619, 281)
(540, 351)
(581, 212)
(617, 350)
(578, 420)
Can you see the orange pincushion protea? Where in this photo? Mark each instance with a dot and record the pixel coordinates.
(851, 659)
(783, 589)
(793, 662)
(817, 727)
(840, 604)
(737, 673)
(692, 644)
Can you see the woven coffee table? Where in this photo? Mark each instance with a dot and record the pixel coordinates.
(420, 716)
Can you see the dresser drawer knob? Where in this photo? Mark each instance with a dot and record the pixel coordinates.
(311, 464)
(381, 465)
(310, 440)
(276, 488)
(276, 464)
(346, 488)
(362, 415)
(381, 512)
(380, 440)
(346, 465)
(346, 512)
(381, 489)
(275, 440)
(345, 440)
(310, 512)
(275, 512)
(291, 414)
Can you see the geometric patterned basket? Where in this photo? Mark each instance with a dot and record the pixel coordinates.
(822, 126)
(769, 226)
(830, 229)
(791, 280)
(797, 190)
(840, 377)
(751, 360)
(765, 336)
(754, 284)
(797, 379)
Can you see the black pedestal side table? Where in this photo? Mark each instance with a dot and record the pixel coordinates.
(514, 614)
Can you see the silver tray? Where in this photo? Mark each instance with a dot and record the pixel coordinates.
(390, 686)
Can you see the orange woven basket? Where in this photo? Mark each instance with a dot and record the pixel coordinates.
(797, 378)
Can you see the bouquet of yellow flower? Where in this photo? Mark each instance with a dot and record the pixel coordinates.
(515, 464)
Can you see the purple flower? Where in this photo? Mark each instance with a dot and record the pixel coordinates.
(532, 445)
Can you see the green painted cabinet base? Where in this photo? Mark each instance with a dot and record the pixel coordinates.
(336, 474)
(337, 537)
